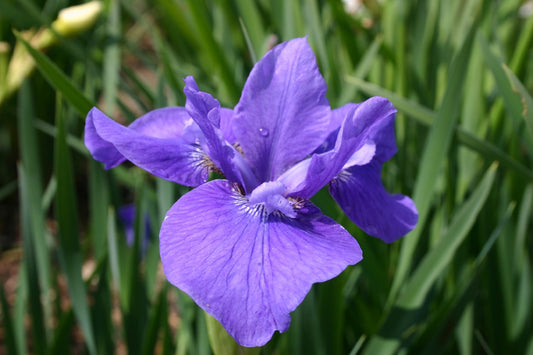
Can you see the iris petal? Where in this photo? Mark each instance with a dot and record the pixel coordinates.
(283, 112)
(361, 195)
(355, 145)
(206, 112)
(246, 268)
(161, 142)
(336, 119)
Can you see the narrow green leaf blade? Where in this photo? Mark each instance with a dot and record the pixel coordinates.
(516, 98)
(34, 290)
(8, 324)
(222, 343)
(68, 242)
(426, 117)
(431, 267)
(434, 155)
(58, 79)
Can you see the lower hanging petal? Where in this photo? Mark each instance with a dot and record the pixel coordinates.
(247, 268)
(162, 142)
(361, 195)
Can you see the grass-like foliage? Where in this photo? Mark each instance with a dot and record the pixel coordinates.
(460, 74)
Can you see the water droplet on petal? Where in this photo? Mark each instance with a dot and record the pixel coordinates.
(371, 229)
(263, 132)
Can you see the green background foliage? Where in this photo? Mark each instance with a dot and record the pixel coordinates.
(460, 73)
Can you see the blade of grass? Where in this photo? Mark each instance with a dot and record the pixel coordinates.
(34, 290)
(407, 307)
(60, 342)
(251, 21)
(98, 203)
(516, 98)
(248, 41)
(426, 117)
(523, 47)
(31, 164)
(471, 121)
(113, 250)
(112, 57)
(463, 295)
(525, 100)
(102, 308)
(73, 142)
(155, 321)
(58, 79)
(439, 257)
(68, 232)
(522, 300)
(49, 194)
(213, 51)
(10, 341)
(135, 309)
(524, 218)
(317, 37)
(222, 343)
(432, 159)
(363, 68)
(19, 309)
(522, 272)
(8, 189)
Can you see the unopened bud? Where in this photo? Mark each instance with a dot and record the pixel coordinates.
(76, 19)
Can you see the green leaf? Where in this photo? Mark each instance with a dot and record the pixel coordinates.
(111, 72)
(426, 117)
(8, 189)
(155, 321)
(60, 341)
(112, 246)
(251, 22)
(8, 325)
(98, 202)
(222, 343)
(68, 234)
(32, 168)
(406, 309)
(433, 157)
(35, 306)
(58, 79)
(362, 70)
(516, 98)
(19, 309)
(525, 99)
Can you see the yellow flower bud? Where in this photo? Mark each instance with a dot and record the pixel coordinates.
(76, 19)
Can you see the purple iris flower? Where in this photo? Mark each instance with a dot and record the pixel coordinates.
(247, 248)
(126, 214)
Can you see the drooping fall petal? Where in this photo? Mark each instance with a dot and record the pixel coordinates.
(162, 142)
(249, 269)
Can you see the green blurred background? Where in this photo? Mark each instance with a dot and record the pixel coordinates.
(460, 73)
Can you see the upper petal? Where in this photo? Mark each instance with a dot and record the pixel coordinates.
(355, 145)
(247, 268)
(162, 142)
(283, 112)
(206, 112)
(226, 118)
(337, 117)
(361, 195)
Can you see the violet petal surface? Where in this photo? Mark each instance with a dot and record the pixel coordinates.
(283, 113)
(161, 142)
(247, 268)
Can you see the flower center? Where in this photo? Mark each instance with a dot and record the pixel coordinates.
(270, 196)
